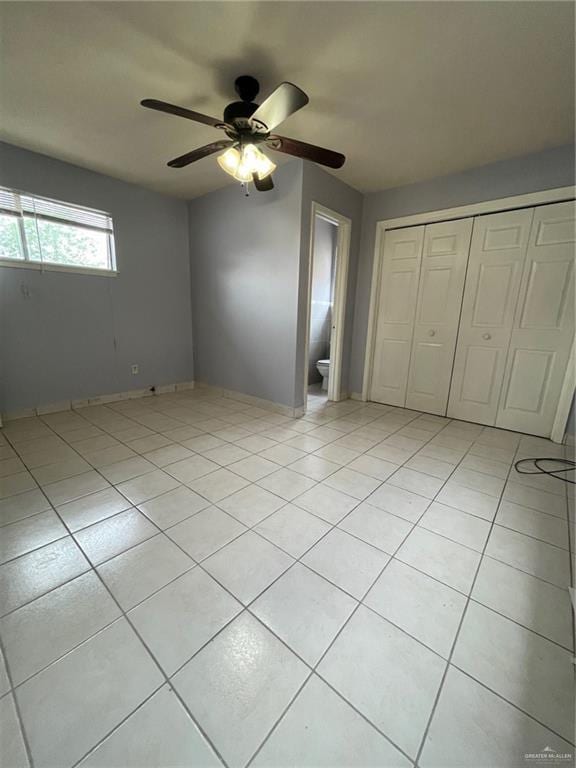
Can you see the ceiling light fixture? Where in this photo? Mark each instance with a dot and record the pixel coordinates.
(246, 163)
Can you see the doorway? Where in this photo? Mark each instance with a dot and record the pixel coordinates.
(326, 300)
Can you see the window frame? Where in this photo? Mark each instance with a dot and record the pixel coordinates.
(44, 266)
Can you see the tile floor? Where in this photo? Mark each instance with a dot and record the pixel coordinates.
(188, 580)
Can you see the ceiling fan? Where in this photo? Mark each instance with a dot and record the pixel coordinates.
(248, 125)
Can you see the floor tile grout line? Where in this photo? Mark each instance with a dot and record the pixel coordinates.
(16, 703)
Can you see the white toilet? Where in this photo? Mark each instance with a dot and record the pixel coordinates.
(323, 368)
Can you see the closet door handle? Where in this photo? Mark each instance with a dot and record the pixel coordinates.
(486, 336)
(432, 332)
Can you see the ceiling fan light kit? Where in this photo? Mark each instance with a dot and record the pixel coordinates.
(248, 124)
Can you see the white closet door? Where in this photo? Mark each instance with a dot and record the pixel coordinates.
(398, 289)
(544, 324)
(442, 274)
(495, 265)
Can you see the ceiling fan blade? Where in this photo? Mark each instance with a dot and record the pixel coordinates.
(281, 103)
(307, 151)
(198, 154)
(172, 109)
(263, 185)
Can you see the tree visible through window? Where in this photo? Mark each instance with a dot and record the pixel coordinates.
(42, 231)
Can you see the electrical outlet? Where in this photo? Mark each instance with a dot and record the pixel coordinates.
(135, 370)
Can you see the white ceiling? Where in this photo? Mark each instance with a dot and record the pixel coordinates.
(407, 90)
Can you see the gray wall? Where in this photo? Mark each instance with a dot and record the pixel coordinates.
(324, 188)
(324, 261)
(244, 259)
(531, 173)
(58, 342)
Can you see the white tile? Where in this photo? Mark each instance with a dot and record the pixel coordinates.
(38, 572)
(376, 527)
(142, 570)
(247, 566)
(111, 455)
(14, 484)
(423, 607)
(292, 529)
(11, 466)
(325, 502)
(75, 487)
(179, 619)
(217, 485)
(282, 454)
(151, 443)
(31, 533)
(254, 468)
(168, 454)
(60, 470)
(252, 504)
(407, 444)
(482, 729)
(255, 443)
(547, 528)
(468, 500)
(5, 684)
(353, 483)
(346, 561)
(23, 505)
(47, 628)
(127, 469)
(479, 481)
(469, 530)
(440, 558)
(416, 482)
(191, 469)
(315, 467)
(92, 508)
(286, 484)
(306, 443)
(399, 502)
(204, 533)
(159, 733)
(62, 723)
(485, 465)
(226, 454)
(339, 739)
(371, 656)
(12, 748)
(147, 486)
(114, 535)
(504, 455)
(441, 453)
(530, 555)
(203, 443)
(173, 507)
(549, 503)
(525, 599)
(373, 467)
(239, 685)
(305, 611)
(337, 454)
(527, 670)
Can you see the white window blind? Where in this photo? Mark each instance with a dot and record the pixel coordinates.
(38, 231)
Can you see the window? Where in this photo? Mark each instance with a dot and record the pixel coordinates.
(39, 233)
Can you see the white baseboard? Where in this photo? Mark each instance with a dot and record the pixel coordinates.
(259, 402)
(357, 396)
(113, 397)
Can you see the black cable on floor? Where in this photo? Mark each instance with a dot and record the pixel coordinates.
(567, 466)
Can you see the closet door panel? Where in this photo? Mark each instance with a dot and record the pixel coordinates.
(544, 324)
(495, 265)
(442, 273)
(398, 290)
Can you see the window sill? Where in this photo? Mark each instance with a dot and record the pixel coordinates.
(58, 268)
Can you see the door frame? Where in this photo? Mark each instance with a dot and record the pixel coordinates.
(530, 200)
(344, 225)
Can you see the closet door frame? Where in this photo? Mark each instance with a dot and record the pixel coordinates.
(430, 217)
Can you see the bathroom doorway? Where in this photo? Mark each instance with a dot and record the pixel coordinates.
(328, 277)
